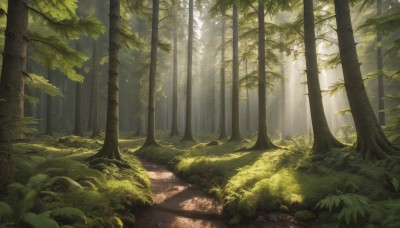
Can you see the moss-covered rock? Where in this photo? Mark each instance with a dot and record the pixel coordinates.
(284, 209)
(305, 216)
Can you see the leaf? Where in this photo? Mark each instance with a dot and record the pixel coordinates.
(32, 100)
(395, 182)
(37, 221)
(5, 210)
(39, 82)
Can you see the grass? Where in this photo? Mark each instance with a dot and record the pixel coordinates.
(250, 183)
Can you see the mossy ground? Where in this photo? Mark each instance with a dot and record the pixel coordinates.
(255, 182)
(54, 186)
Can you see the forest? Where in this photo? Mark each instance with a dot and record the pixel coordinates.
(195, 113)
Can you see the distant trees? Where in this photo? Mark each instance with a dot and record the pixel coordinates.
(222, 120)
(371, 141)
(174, 125)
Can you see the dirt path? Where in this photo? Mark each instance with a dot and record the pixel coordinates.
(177, 203)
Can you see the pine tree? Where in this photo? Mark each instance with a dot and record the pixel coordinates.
(371, 141)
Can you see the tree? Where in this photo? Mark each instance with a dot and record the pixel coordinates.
(235, 136)
(78, 130)
(93, 95)
(188, 136)
(371, 141)
(323, 138)
(13, 69)
(263, 141)
(174, 128)
(110, 148)
(379, 61)
(222, 127)
(49, 108)
(150, 139)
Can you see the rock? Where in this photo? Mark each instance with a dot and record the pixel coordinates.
(284, 209)
(305, 216)
(260, 219)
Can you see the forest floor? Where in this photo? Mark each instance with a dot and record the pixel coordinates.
(194, 184)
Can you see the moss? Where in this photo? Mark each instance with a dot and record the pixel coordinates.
(284, 209)
(305, 216)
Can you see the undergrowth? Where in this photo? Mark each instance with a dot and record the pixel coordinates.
(54, 188)
(256, 182)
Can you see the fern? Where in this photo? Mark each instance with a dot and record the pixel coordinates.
(68, 215)
(5, 210)
(39, 82)
(396, 184)
(37, 221)
(349, 206)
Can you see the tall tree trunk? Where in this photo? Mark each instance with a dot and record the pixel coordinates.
(13, 69)
(263, 141)
(78, 130)
(188, 136)
(235, 135)
(323, 138)
(371, 141)
(381, 85)
(174, 129)
(222, 121)
(49, 108)
(247, 100)
(150, 139)
(283, 93)
(93, 95)
(110, 147)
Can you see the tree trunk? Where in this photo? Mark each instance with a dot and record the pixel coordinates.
(248, 123)
(222, 127)
(263, 142)
(371, 141)
(49, 108)
(283, 94)
(174, 129)
(150, 139)
(13, 69)
(188, 136)
(110, 147)
(381, 85)
(93, 95)
(235, 136)
(323, 138)
(78, 131)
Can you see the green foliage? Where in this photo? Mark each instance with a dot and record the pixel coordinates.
(62, 58)
(38, 221)
(39, 82)
(305, 216)
(5, 210)
(68, 215)
(130, 39)
(350, 207)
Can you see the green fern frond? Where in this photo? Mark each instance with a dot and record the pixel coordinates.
(5, 210)
(39, 82)
(68, 215)
(37, 221)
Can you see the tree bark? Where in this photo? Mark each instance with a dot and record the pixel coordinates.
(49, 108)
(263, 141)
(371, 141)
(174, 128)
(93, 95)
(379, 59)
(188, 136)
(248, 122)
(13, 69)
(323, 138)
(150, 139)
(222, 120)
(283, 93)
(235, 135)
(110, 147)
